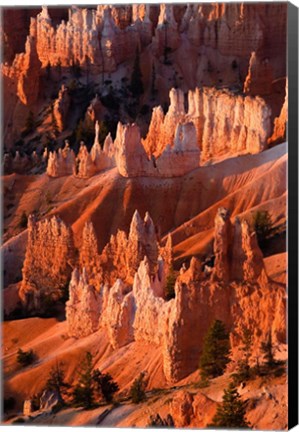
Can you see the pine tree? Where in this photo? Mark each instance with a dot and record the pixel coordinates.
(136, 78)
(104, 385)
(23, 220)
(216, 351)
(243, 369)
(83, 392)
(137, 391)
(30, 123)
(56, 381)
(267, 349)
(231, 413)
(170, 283)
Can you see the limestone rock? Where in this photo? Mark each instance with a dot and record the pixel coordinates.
(49, 258)
(280, 123)
(176, 160)
(222, 244)
(28, 407)
(118, 314)
(61, 108)
(218, 132)
(61, 163)
(83, 308)
(29, 65)
(259, 78)
(181, 408)
(48, 400)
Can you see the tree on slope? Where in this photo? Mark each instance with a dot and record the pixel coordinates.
(231, 413)
(216, 351)
(83, 391)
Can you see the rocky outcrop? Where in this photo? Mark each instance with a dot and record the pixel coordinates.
(140, 242)
(237, 291)
(49, 259)
(181, 408)
(177, 159)
(118, 314)
(27, 67)
(225, 123)
(237, 254)
(222, 244)
(61, 107)
(83, 307)
(61, 163)
(260, 76)
(280, 123)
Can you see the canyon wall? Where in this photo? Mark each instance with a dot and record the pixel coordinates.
(235, 290)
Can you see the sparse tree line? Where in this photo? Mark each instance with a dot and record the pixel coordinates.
(213, 361)
(92, 388)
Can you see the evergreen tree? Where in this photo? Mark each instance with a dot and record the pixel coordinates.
(137, 391)
(231, 413)
(30, 123)
(267, 349)
(243, 369)
(59, 67)
(170, 283)
(263, 226)
(23, 220)
(56, 381)
(48, 70)
(104, 385)
(216, 351)
(83, 392)
(136, 78)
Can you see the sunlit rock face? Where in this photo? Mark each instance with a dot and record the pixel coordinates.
(61, 163)
(83, 307)
(225, 123)
(61, 107)
(50, 257)
(280, 123)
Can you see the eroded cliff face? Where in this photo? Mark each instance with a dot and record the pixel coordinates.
(225, 123)
(235, 46)
(49, 260)
(236, 290)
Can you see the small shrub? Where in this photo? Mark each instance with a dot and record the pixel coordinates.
(26, 358)
(170, 283)
(9, 404)
(105, 385)
(137, 391)
(19, 420)
(23, 220)
(263, 226)
(216, 351)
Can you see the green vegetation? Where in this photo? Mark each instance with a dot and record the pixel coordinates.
(26, 358)
(23, 220)
(136, 78)
(170, 283)
(216, 351)
(83, 391)
(267, 349)
(137, 391)
(56, 381)
(92, 385)
(231, 413)
(104, 385)
(244, 372)
(263, 226)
